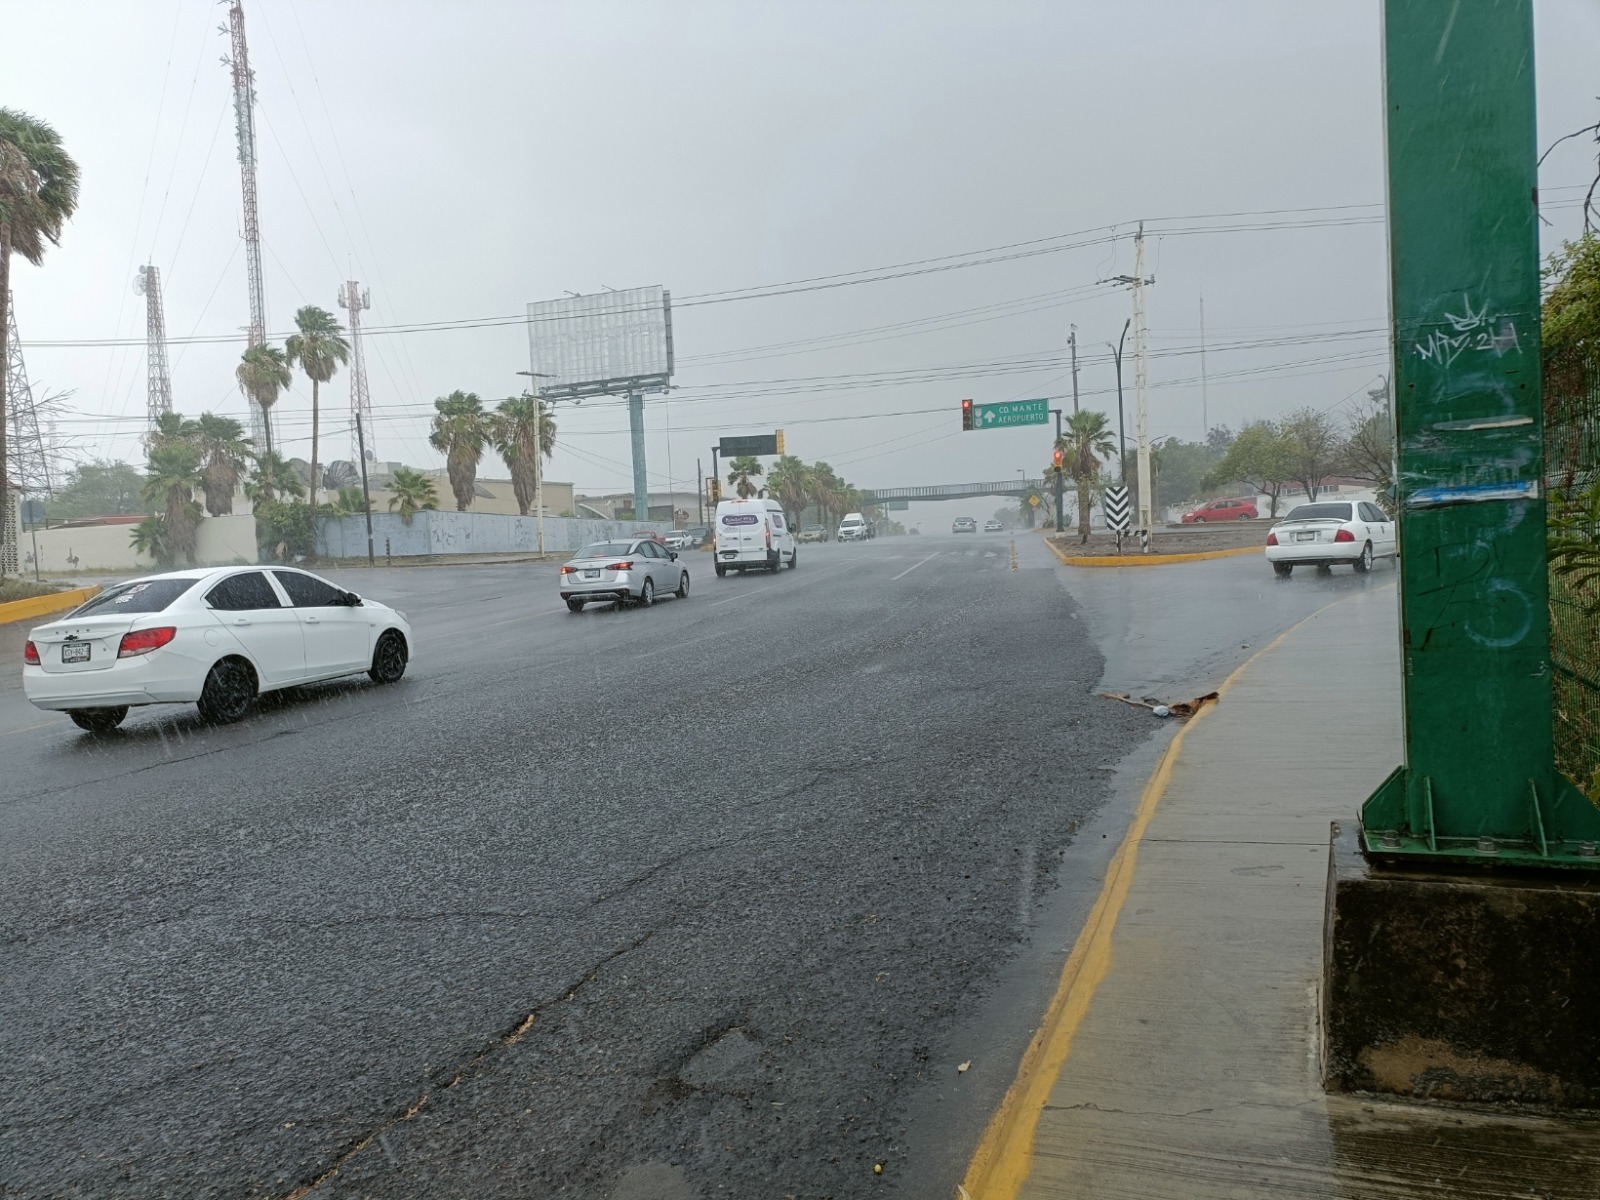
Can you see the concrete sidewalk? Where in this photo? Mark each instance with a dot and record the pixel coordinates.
(1179, 1058)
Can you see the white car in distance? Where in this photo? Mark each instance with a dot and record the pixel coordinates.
(216, 638)
(1329, 533)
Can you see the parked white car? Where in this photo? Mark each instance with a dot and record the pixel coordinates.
(623, 571)
(1331, 532)
(216, 638)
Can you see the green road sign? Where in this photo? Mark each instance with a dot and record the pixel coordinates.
(1012, 412)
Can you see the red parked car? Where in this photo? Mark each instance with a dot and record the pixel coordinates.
(1222, 510)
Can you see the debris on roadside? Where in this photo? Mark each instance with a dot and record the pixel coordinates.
(1184, 708)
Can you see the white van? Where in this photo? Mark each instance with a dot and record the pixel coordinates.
(752, 533)
(854, 528)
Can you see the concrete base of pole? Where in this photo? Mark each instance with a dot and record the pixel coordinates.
(1476, 987)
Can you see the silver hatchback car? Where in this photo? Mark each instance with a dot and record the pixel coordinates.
(622, 572)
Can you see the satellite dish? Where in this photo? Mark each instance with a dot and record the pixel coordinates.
(140, 283)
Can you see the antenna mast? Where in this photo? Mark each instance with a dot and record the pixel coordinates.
(30, 462)
(159, 396)
(353, 299)
(244, 111)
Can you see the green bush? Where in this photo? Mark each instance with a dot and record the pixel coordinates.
(286, 530)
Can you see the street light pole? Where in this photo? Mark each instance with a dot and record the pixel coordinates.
(1122, 428)
(538, 451)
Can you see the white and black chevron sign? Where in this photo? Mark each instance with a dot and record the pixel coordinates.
(1116, 505)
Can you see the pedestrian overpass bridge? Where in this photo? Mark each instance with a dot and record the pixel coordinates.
(896, 497)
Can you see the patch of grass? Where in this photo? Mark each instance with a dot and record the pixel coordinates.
(26, 589)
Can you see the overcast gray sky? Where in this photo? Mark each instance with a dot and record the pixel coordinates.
(464, 158)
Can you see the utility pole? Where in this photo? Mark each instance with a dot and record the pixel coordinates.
(353, 300)
(159, 390)
(641, 485)
(1141, 401)
(1072, 340)
(1205, 417)
(366, 495)
(244, 112)
(1060, 486)
(700, 497)
(538, 450)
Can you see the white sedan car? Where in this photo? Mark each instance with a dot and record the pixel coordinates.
(215, 637)
(623, 571)
(1330, 532)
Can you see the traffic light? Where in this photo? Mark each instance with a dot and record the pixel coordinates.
(713, 490)
(1060, 457)
(780, 441)
(966, 415)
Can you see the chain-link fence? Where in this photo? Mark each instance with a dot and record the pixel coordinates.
(1572, 467)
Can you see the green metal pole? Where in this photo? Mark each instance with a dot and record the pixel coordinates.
(1479, 781)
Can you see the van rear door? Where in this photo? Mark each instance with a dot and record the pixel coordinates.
(741, 535)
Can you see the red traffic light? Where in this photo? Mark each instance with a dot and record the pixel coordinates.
(1060, 457)
(966, 414)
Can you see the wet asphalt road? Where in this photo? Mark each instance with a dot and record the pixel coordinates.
(671, 903)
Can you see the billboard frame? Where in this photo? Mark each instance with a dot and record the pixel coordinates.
(628, 383)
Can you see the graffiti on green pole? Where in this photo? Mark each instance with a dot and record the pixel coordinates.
(1479, 780)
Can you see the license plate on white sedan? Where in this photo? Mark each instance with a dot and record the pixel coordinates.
(74, 652)
(591, 574)
(1305, 537)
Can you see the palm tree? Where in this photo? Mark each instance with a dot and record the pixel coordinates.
(150, 539)
(461, 431)
(272, 480)
(790, 482)
(823, 485)
(742, 472)
(319, 349)
(224, 455)
(262, 373)
(412, 492)
(174, 473)
(1085, 443)
(38, 192)
(514, 427)
(170, 427)
(350, 502)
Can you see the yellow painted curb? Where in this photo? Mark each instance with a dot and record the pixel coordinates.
(1004, 1158)
(1147, 560)
(38, 606)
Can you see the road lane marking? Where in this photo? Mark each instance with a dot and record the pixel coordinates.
(1004, 1159)
(913, 567)
(26, 729)
(786, 591)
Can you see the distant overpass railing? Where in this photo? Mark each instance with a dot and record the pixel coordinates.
(955, 491)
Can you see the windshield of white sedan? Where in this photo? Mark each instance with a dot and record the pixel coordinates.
(149, 596)
(1320, 512)
(604, 549)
